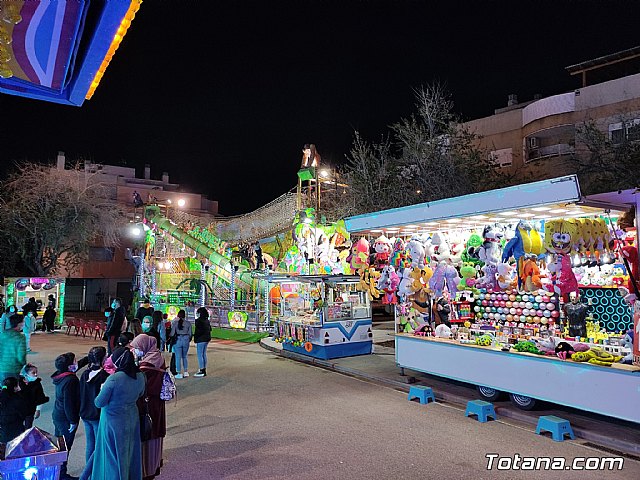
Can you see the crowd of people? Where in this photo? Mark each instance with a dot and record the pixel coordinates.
(120, 396)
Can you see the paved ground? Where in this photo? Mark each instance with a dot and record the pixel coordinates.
(260, 416)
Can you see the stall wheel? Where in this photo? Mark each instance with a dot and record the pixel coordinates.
(522, 402)
(488, 394)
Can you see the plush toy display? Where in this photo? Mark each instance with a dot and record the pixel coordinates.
(382, 246)
(470, 254)
(560, 239)
(439, 250)
(527, 240)
(489, 279)
(507, 278)
(421, 277)
(405, 288)
(444, 273)
(630, 252)
(530, 276)
(468, 273)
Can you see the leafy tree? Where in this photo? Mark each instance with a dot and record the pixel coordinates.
(430, 155)
(51, 217)
(603, 165)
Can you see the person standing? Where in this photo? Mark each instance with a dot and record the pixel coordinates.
(115, 322)
(118, 452)
(30, 306)
(66, 409)
(13, 349)
(202, 337)
(144, 309)
(149, 328)
(28, 327)
(2, 304)
(13, 410)
(32, 392)
(152, 364)
(5, 324)
(181, 331)
(91, 381)
(48, 319)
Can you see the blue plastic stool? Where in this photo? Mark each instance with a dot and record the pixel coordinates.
(559, 427)
(481, 409)
(424, 394)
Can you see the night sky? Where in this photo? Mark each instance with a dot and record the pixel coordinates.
(223, 94)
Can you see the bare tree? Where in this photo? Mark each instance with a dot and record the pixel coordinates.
(51, 217)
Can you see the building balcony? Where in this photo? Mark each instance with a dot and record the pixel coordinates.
(558, 150)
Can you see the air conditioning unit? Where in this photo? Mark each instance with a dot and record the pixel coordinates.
(533, 142)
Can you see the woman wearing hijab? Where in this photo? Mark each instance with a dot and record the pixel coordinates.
(152, 365)
(149, 328)
(117, 454)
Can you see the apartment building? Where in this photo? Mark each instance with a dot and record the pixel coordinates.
(110, 271)
(541, 137)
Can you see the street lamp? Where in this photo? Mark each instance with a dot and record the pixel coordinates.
(135, 231)
(182, 202)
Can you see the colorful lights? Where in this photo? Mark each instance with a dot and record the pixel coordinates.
(121, 32)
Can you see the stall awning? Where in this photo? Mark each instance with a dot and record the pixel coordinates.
(552, 198)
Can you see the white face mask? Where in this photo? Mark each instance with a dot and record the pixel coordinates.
(106, 314)
(138, 353)
(73, 367)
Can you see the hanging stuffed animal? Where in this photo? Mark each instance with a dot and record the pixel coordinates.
(470, 254)
(399, 255)
(490, 251)
(382, 246)
(440, 250)
(531, 280)
(468, 273)
(406, 284)
(359, 257)
(490, 278)
(416, 253)
(630, 252)
(526, 240)
(421, 277)
(507, 276)
(388, 283)
(560, 238)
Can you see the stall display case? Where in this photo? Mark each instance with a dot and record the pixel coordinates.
(324, 317)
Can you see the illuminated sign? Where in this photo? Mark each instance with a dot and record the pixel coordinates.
(237, 319)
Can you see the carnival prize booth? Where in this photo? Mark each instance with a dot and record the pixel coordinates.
(321, 316)
(18, 291)
(528, 290)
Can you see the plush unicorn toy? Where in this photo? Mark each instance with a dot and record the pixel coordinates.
(388, 283)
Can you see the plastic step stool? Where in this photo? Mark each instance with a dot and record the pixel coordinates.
(424, 394)
(559, 427)
(481, 409)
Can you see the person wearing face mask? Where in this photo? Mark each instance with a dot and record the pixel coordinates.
(181, 332)
(13, 410)
(49, 319)
(91, 382)
(152, 364)
(28, 327)
(32, 392)
(13, 349)
(149, 328)
(66, 409)
(115, 322)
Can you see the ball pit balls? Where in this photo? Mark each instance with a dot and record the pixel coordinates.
(509, 318)
(512, 297)
(555, 314)
(485, 315)
(528, 305)
(503, 303)
(491, 316)
(544, 320)
(512, 311)
(481, 296)
(518, 311)
(519, 298)
(554, 299)
(545, 298)
(551, 306)
(476, 309)
(535, 306)
(484, 303)
(525, 298)
(508, 304)
(525, 311)
(546, 313)
(537, 320)
(538, 298)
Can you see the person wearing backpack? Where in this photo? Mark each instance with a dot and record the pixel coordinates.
(151, 363)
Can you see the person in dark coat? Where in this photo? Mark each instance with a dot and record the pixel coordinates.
(91, 381)
(66, 409)
(32, 392)
(118, 452)
(13, 410)
(114, 324)
(153, 366)
(13, 348)
(48, 319)
(202, 337)
(144, 310)
(30, 306)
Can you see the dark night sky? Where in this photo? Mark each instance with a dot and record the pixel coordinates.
(223, 94)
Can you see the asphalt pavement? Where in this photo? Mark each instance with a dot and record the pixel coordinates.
(259, 415)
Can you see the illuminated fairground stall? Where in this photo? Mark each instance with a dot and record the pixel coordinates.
(18, 291)
(58, 51)
(529, 290)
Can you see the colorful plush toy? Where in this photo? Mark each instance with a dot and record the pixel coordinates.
(388, 283)
(405, 288)
(421, 277)
(527, 240)
(399, 255)
(490, 278)
(630, 253)
(596, 356)
(490, 252)
(531, 280)
(560, 238)
(507, 277)
(439, 250)
(468, 273)
(444, 273)
(415, 248)
(359, 254)
(382, 246)
(470, 254)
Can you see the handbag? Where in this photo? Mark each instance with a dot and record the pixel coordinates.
(146, 422)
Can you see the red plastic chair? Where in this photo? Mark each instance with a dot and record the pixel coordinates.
(70, 322)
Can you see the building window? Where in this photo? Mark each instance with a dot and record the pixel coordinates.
(621, 131)
(101, 254)
(502, 158)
